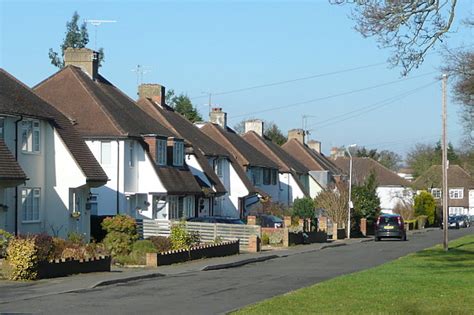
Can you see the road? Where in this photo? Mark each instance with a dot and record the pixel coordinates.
(215, 292)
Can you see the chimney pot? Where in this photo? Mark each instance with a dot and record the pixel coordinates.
(217, 116)
(315, 145)
(297, 134)
(255, 125)
(155, 92)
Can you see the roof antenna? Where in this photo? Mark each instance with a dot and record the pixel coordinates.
(140, 71)
(97, 23)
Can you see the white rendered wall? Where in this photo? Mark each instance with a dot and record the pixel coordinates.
(314, 187)
(391, 195)
(290, 190)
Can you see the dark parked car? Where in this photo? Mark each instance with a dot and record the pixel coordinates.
(267, 220)
(464, 221)
(390, 226)
(453, 223)
(216, 219)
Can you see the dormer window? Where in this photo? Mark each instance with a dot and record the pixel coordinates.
(30, 136)
(178, 153)
(161, 148)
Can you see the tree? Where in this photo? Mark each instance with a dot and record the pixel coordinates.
(303, 208)
(389, 159)
(76, 37)
(365, 199)
(409, 28)
(335, 203)
(270, 130)
(425, 204)
(182, 104)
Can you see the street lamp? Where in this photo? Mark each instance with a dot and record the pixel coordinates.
(350, 192)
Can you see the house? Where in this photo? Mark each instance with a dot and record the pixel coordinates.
(294, 180)
(144, 160)
(259, 169)
(460, 188)
(391, 188)
(46, 169)
(406, 173)
(325, 173)
(207, 159)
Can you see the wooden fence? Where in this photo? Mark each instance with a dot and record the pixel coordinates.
(208, 232)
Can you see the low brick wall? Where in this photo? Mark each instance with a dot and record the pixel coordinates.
(66, 267)
(199, 252)
(307, 237)
(275, 234)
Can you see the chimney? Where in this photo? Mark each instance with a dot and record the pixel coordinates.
(255, 125)
(314, 145)
(217, 116)
(84, 58)
(155, 92)
(297, 134)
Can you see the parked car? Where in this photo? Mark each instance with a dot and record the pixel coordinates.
(390, 226)
(464, 221)
(267, 220)
(453, 223)
(216, 219)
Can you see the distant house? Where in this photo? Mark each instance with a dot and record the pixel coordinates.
(46, 169)
(406, 173)
(460, 188)
(207, 159)
(391, 188)
(294, 180)
(260, 170)
(144, 160)
(321, 169)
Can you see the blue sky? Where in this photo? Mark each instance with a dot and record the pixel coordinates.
(216, 46)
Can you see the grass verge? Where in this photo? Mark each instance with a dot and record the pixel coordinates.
(431, 281)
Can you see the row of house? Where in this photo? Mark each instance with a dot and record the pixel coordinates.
(75, 146)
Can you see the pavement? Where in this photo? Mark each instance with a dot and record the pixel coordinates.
(11, 291)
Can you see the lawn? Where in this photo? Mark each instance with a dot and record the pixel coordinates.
(431, 281)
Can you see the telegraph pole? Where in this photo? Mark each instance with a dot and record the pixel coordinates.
(445, 168)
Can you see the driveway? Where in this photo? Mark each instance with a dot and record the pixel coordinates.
(214, 292)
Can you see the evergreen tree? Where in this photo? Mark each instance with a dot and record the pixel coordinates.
(182, 104)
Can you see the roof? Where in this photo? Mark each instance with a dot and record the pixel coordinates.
(97, 107)
(363, 166)
(240, 149)
(311, 159)
(18, 99)
(10, 170)
(432, 178)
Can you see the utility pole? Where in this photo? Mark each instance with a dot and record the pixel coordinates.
(445, 167)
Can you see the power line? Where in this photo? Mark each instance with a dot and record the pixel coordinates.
(333, 95)
(292, 80)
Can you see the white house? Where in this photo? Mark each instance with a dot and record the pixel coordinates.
(59, 168)
(144, 160)
(391, 188)
(208, 160)
(293, 179)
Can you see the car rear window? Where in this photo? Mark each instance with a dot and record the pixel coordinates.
(388, 220)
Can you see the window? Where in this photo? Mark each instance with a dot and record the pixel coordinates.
(30, 204)
(274, 177)
(2, 126)
(105, 153)
(175, 207)
(188, 207)
(219, 167)
(131, 157)
(92, 204)
(178, 153)
(456, 193)
(436, 192)
(456, 210)
(267, 176)
(30, 136)
(257, 176)
(161, 152)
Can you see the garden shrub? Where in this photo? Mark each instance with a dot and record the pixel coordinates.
(265, 239)
(23, 258)
(421, 220)
(44, 245)
(181, 239)
(138, 254)
(161, 243)
(303, 207)
(4, 239)
(277, 237)
(425, 204)
(76, 238)
(121, 234)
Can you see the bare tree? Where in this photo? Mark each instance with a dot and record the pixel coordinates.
(409, 27)
(334, 202)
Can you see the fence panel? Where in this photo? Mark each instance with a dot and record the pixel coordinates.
(148, 227)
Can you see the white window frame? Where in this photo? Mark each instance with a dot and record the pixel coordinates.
(178, 153)
(2, 127)
(188, 207)
(437, 193)
(161, 149)
(131, 156)
(173, 208)
(105, 159)
(30, 136)
(30, 204)
(219, 168)
(456, 193)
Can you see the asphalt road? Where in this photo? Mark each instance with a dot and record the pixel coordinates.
(213, 292)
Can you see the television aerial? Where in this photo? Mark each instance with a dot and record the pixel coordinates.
(97, 23)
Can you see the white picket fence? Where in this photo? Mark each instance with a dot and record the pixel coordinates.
(208, 232)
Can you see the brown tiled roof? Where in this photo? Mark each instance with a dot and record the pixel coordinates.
(98, 108)
(363, 166)
(178, 181)
(210, 174)
(17, 99)
(433, 178)
(243, 152)
(10, 170)
(313, 160)
(286, 163)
